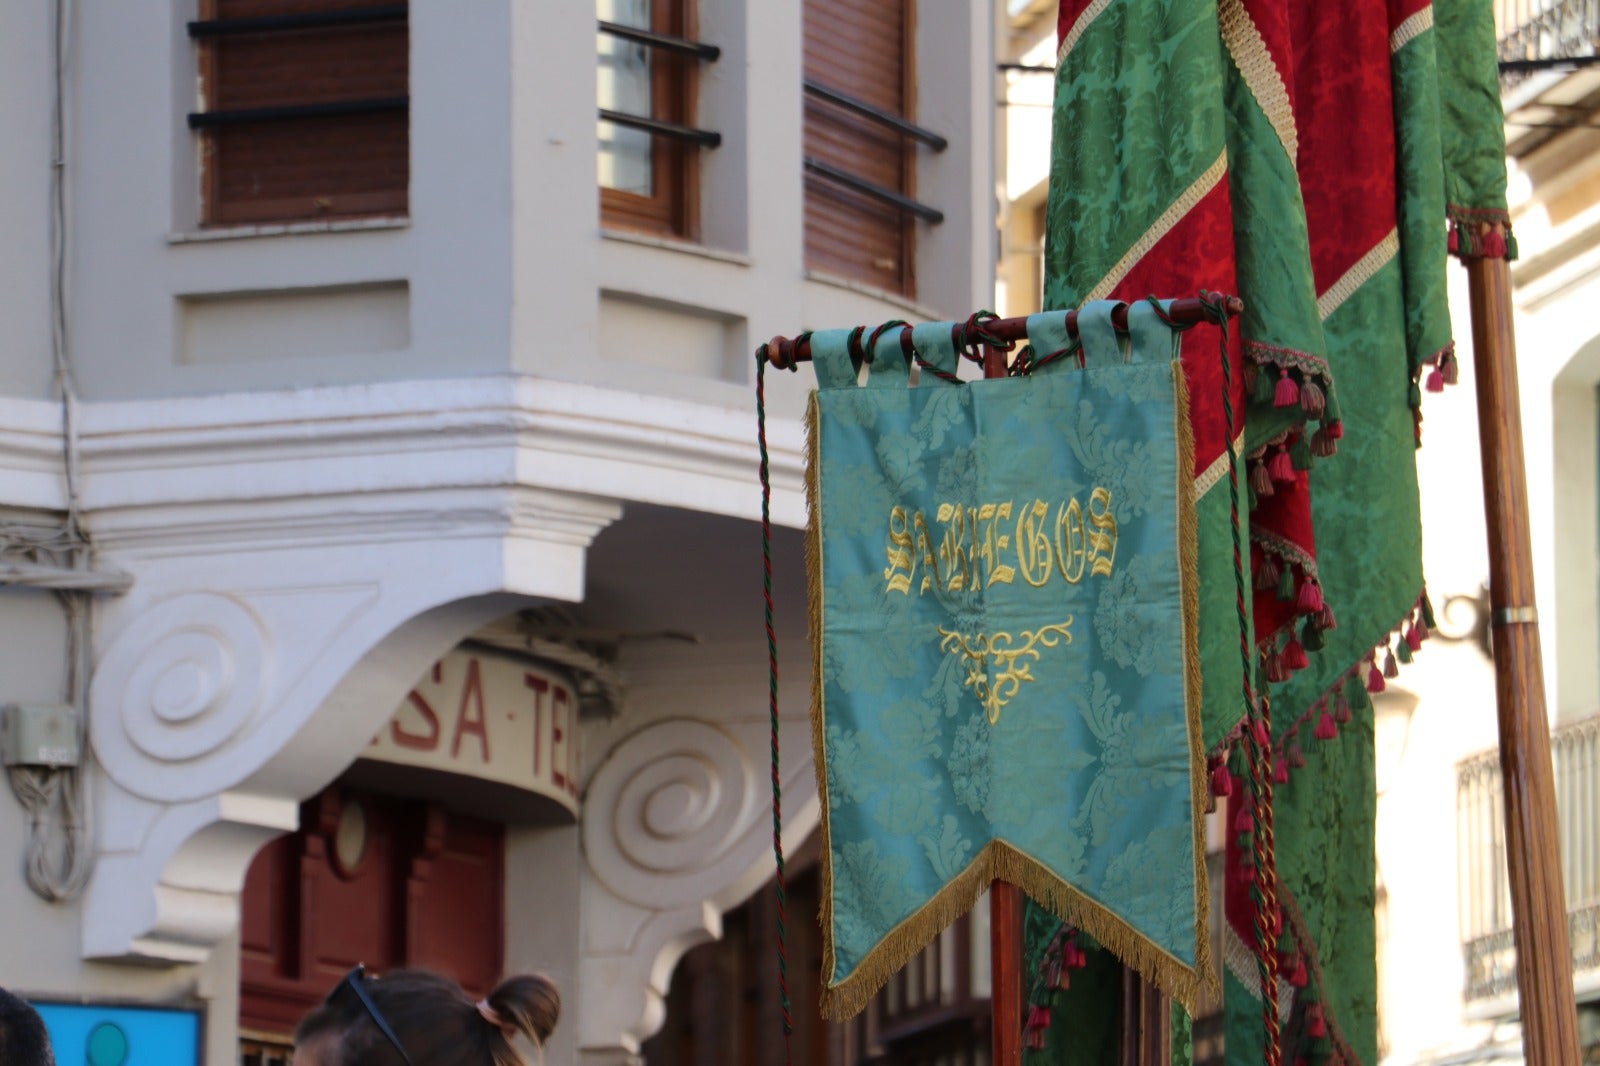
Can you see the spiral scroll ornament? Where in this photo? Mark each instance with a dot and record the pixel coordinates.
(177, 686)
(664, 808)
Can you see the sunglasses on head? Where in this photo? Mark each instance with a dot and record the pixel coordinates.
(355, 980)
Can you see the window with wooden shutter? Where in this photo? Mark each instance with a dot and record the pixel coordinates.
(649, 157)
(306, 109)
(861, 51)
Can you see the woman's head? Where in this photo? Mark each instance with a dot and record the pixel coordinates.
(427, 1019)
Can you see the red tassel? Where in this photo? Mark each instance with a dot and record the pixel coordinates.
(1312, 401)
(1325, 730)
(1221, 781)
(1414, 637)
(1421, 630)
(1455, 241)
(1280, 771)
(1323, 445)
(1268, 572)
(1294, 655)
(1247, 873)
(1316, 1025)
(1281, 466)
(1039, 1018)
(1298, 977)
(1277, 671)
(1325, 618)
(1450, 368)
(1375, 679)
(1341, 710)
(1494, 244)
(1391, 667)
(1336, 430)
(1287, 394)
(1310, 601)
(1297, 758)
(1435, 382)
(1262, 734)
(1243, 822)
(1260, 479)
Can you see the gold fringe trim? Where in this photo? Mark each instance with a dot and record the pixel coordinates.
(1000, 861)
(1079, 28)
(1189, 584)
(1214, 175)
(818, 723)
(1359, 274)
(1249, 52)
(1411, 29)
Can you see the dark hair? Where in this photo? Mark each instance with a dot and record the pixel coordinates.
(24, 1041)
(435, 1020)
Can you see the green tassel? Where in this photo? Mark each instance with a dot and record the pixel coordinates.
(1427, 613)
(1330, 405)
(1511, 246)
(1286, 583)
(1402, 650)
(1311, 637)
(1300, 453)
(1414, 394)
(1266, 383)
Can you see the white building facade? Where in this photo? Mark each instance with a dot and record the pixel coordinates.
(318, 439)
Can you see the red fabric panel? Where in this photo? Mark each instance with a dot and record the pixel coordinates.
(1345, 118)
(1196, 254)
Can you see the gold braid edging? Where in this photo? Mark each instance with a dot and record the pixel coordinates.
(1260, 73)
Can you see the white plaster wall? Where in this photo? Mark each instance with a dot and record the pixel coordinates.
(25, 366)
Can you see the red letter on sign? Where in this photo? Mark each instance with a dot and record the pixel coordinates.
(540, 686)
(471, 693)
(420, 741)
(560, 747)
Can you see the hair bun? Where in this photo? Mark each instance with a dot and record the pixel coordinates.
(530, 1002)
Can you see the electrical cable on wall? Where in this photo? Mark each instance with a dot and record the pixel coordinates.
(60, 849)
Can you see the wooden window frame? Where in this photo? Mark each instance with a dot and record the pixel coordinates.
(673, 209)
(906, 277)
(216, 212)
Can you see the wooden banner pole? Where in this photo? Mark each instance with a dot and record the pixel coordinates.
(1533, 856)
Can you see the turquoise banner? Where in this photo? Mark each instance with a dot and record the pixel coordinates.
(1006, 682)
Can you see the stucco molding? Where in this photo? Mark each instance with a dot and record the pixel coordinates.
(677, 830)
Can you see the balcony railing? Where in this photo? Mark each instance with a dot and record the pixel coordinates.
(1485, 890)
(1543, 30)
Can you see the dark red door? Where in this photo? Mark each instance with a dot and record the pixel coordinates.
(379, 880)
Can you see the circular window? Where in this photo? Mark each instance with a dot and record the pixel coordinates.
(350, 838)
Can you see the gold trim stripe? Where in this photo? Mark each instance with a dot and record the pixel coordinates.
(1240, 961)
(1260, 73)
(1218, 469)
(1161, 227)
(1411, 29)
(1360, 274)
(1079, 28)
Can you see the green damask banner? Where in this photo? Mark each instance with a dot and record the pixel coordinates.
(1006, 683)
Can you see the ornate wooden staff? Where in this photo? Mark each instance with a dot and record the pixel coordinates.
(1533, 853)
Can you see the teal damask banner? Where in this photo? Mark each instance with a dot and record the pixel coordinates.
(1005, 675)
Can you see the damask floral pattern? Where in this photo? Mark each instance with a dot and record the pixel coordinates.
(1042, 505)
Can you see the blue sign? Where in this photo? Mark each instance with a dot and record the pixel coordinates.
(101, 1035)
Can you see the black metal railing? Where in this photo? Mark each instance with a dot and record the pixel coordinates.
(815, 90)
(1540, 34)
(212, 29)
(1486, 938)
(666, 42)
(306, 20)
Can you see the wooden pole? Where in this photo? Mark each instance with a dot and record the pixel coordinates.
(1006, 904)
(1533, 855)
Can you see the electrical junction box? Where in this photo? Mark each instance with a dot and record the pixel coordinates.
(38, 734)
